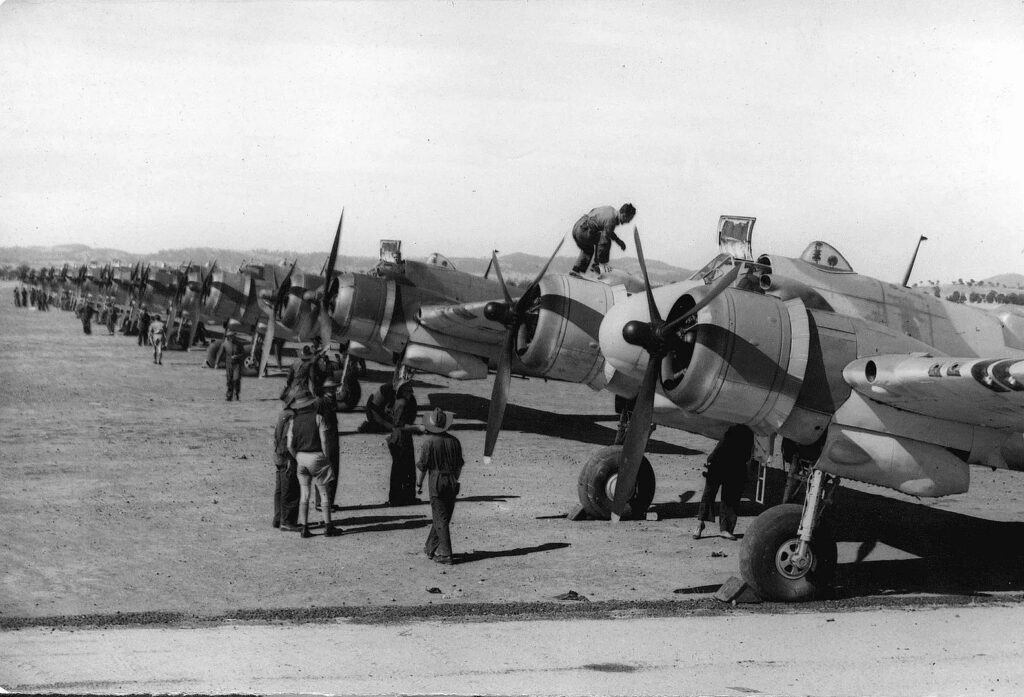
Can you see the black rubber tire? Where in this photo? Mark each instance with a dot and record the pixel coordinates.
(211, 353)
(349, 399)
(591, 486)
(760, 559)
(251, 367)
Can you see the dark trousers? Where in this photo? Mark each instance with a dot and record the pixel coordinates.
(730, 478)
(233, 377)
(443, 490)
(402, 486)
(87, 325)
(599, 252)
(286, 491)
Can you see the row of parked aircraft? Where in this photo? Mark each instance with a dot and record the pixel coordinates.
(866, 380)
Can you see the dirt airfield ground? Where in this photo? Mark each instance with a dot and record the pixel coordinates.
(134, 494)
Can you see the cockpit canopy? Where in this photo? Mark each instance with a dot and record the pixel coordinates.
(438, 259)
(826, 257)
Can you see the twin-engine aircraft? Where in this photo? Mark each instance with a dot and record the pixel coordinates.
(878, 383)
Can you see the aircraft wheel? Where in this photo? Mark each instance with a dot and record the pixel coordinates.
(251, 367)
(767, 561)
(211, 354)
(596, 485)
(348, 399)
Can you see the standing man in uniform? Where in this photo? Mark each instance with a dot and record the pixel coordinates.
(144, 321)
(726, 468)
(594, 234)
(233, 350)
(112, 320)
(402, 485)
(328, 406)
(158, 338)
(286, 481)
(441, 457)
(87, 313)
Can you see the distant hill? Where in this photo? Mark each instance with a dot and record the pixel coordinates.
(516, 267)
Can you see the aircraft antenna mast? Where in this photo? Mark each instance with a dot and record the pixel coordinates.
(906, 276)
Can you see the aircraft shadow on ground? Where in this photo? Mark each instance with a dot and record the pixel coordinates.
(579, 427)
(479, 554)
(958, 553)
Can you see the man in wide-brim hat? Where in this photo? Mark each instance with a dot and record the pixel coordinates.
(441, 458)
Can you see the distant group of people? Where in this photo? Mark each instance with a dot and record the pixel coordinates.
(32, 297)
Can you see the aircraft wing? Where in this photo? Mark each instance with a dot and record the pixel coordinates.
(981, 391)
(462, 321)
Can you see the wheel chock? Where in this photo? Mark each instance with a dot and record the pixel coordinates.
(578, 513)
(737, 592)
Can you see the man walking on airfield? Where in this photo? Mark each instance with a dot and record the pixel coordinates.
(440, 459)
(233, 351)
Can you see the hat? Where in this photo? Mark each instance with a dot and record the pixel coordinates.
(438, 421)
(307, 353)
(302, 400)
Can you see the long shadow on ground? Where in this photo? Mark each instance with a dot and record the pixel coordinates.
(579, 427)
(478, 555)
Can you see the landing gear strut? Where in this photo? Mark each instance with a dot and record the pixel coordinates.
(789, 552)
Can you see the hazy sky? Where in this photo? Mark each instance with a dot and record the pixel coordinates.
(462, 127)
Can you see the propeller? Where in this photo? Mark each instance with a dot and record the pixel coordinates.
(511, 314)
(656, 337)
(205, 285)
(280, 296)
(330, 288)
(180, 284)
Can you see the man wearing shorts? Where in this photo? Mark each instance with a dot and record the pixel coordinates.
(309, 441)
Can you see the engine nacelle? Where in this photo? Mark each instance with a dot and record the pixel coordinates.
(363, 307)
(227, 295)
(559, 336)
(742, 362)
(295, 310)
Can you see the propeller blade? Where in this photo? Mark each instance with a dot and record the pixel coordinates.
(282, 290)
(651, 305)
(716, 289)
(325, 302)
(499, 394)
(536, 281)
(501, 279)
(636, 440)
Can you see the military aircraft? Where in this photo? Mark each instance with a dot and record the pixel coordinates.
(881, 384)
